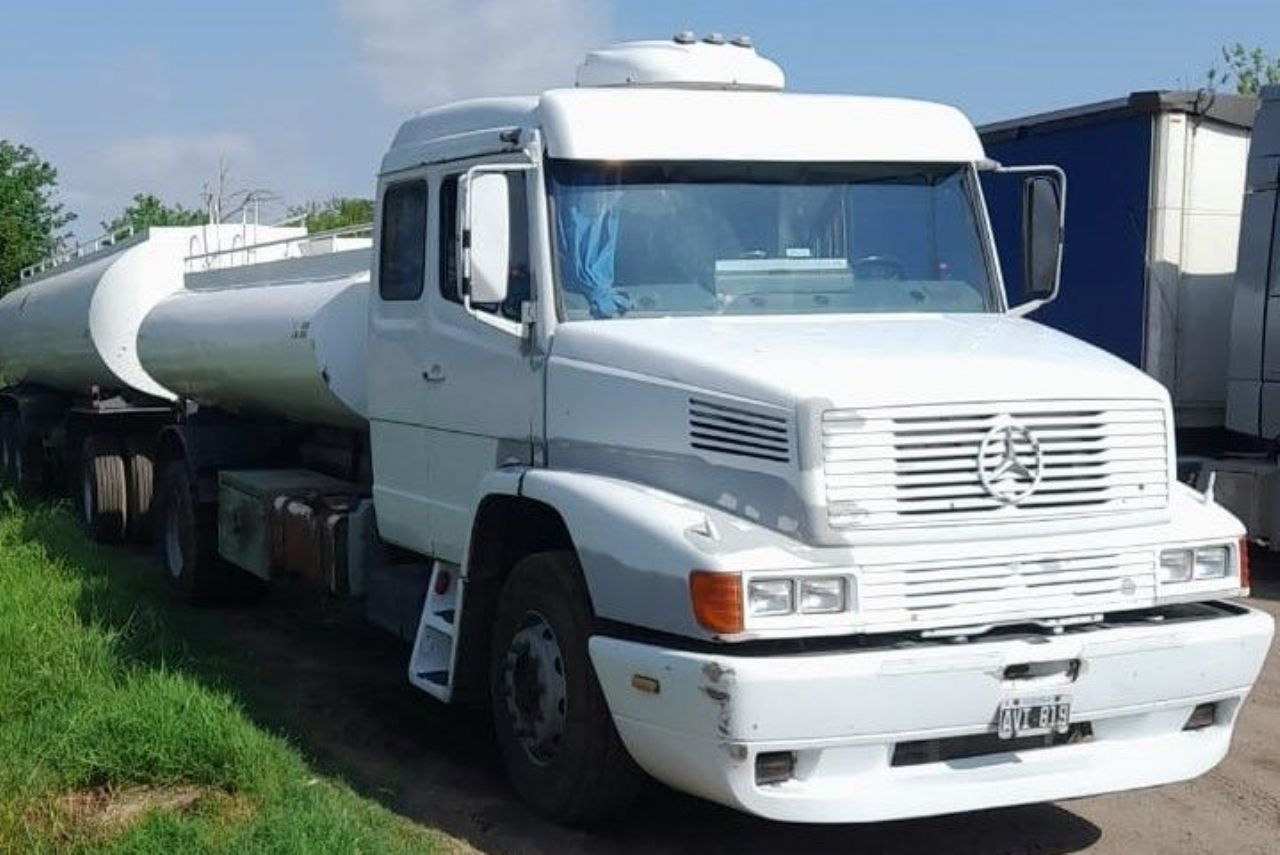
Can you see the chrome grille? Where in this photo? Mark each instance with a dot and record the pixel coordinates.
(976, 591)
(889, 466)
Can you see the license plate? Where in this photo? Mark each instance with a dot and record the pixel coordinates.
(1033, 716)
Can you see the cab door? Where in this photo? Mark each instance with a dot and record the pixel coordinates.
(454, 390)
(483, 384)
(397, 360)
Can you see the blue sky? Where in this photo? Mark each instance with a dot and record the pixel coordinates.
(301, 96)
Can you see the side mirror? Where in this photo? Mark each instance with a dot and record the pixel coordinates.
(487, 242)
(1042, 222)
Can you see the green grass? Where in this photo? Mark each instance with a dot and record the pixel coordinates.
(102, 703)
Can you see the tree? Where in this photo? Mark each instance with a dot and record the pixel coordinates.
(1250, 68)
(148, 210)
(336, 213)
(32, 221)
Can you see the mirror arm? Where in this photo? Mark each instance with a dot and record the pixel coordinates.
(1056, 171)
(1023, 309)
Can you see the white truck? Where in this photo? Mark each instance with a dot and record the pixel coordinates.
(685, 423)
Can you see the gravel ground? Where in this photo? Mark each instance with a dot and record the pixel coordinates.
(338, 689)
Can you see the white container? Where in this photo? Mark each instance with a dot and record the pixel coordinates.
(283, 339)
(76, 327)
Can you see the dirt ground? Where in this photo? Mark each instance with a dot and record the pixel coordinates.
(338, 689)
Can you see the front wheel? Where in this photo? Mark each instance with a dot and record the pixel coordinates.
(561, 749)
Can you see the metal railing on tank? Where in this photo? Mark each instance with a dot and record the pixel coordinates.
(76, 252)
(298, 246)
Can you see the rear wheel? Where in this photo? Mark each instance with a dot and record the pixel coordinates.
(562, 752)
(103, 494)
(140, 470)
(187, 538)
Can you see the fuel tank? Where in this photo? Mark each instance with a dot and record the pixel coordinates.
(75, 327)
(282, 339)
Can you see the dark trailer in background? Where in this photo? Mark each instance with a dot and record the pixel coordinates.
(1155, 183)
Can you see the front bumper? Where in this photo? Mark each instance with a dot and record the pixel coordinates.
(844, 713)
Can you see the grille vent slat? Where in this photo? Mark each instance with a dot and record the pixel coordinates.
(912, 465)
(726, 429)
(895, 596)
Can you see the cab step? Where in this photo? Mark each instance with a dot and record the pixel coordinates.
(435, 645)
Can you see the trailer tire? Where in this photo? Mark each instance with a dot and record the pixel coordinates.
(187, 537)
(103, 494)
(562, 751)
(140, 467)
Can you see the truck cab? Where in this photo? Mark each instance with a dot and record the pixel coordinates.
(749, 472)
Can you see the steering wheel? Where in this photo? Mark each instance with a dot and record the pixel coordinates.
(877, 267)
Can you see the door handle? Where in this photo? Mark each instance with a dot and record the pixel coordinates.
(434, 374)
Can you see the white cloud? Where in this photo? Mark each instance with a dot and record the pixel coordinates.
(419, 53)
(156, 159)
(97, 183)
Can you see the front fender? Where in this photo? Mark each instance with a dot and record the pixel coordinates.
(637, 545)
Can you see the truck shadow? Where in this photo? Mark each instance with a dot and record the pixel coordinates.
(1264, 566)
(307, 668)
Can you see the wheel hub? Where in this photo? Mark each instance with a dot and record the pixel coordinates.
(535, 689)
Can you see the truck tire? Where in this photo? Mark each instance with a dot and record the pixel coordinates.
(187, 537)
(8, 452)
(561, 749)
(103, 492)
(140, 470)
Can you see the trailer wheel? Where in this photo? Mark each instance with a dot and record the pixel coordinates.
(187, 536)
(140, 469)
(562, 752)
(103, 493)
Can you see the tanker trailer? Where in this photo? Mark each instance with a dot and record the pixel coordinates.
(74, 396)
(267, 463)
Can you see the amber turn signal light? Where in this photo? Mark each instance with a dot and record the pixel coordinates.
(1246, 573)
(717, 600)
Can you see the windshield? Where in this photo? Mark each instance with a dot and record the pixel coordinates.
(656, 239)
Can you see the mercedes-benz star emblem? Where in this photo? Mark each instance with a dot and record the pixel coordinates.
(1010, 463)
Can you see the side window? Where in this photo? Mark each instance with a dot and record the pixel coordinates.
(404, 241)
(450, 282)
(518, 285)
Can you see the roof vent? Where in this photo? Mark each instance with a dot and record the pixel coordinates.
(682, 62)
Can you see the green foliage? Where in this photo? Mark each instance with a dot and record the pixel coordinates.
(32, 222)
(148, 210)
(107, 695)
(336, 213)
(1250, 68)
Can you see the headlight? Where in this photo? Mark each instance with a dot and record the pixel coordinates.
(767, 597)
(777, 596)
(1203, 562)
(822, 596)
(1175, 565)
(1212, 562)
